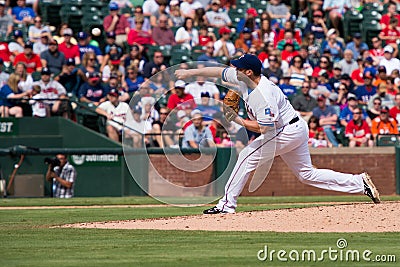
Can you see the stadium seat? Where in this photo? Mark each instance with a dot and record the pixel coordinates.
(352, 22)
(370, 28)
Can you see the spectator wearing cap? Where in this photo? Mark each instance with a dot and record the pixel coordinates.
(246, 40)
(358, 131)
(205, 36)
(116, 112)
(114, 82)
(162, 34)
(366, 91)
(6, 20)
(317, 26)
(51, 89)
(112, 63)
(92, 91)
(389, 61)
(346, 115)
(69, 77)
(187, 35)
(328, 119)
(278, 11)
(201, 85)
(333, 45)
(113, 66)
(138, 36)
(382, 76)
(16, 46)
(53, 58)
(303, 102)
(62, 30)
(357, 45)
(358, 74)
(35, 30)
(386, 99)
(334, 81)
(223, 46)
(30, 59)
(22, 14)
(376, 52)
(117, 23)
(181, 100)
(69, 49)
(197, 135)
(84, 47)
(384, 124)
(290, 26)
(217, 17)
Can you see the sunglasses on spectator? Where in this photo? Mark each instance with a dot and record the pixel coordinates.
(305, 87)
(323, 61)
(131, 72)
(357, 113)
(164, 113)
(272, 59)
(297, 61)
(377, 103)
(92, 59)
(342, 89)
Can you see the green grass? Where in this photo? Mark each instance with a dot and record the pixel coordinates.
(27, 238)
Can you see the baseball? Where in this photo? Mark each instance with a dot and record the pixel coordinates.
(96, 31)
(16, 166)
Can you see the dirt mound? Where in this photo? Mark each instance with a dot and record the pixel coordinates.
(360, 217)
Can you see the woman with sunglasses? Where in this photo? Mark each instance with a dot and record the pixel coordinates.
(324, 65)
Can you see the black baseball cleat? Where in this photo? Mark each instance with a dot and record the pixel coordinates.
(213, 210)
(370, 189)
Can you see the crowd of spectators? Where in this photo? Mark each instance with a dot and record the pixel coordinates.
(347, 90)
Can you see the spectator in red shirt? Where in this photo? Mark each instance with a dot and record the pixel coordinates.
(391, 33)
(117, 23)
(391, 13)
(70, 50)
(395, 111)
(138, 36)
(324, 64)
(358, 131)
(180, 100)
(30, 59)
(377, 51)
(5, 53)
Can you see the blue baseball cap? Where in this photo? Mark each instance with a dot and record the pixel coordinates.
(113, 6)
(82, 35)
(18, 33)
(248, 62)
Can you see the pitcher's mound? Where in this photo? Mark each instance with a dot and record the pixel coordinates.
(360, 217)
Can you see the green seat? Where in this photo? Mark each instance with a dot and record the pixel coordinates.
(36, 76)
(352, 22)
(387, 140)
(370, 29)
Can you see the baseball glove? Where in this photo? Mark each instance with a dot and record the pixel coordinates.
(231, 105)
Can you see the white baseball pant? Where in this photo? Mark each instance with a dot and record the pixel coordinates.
(292, 145)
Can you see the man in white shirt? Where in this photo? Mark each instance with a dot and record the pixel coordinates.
(223, 46)
(202, 86)
(216, 17)
(391, 63)
(115, 112)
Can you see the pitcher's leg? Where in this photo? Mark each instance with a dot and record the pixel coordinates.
(299, 161)
(254, 155)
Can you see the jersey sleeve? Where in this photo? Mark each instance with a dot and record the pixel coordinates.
(229, 75)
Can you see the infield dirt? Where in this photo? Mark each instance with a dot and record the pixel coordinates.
(358, 217)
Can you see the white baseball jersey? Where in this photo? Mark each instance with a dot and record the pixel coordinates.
(38, 107)
(266, 103)
(268, 106)
(119, 113)
(51, 90)
(195, 89)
